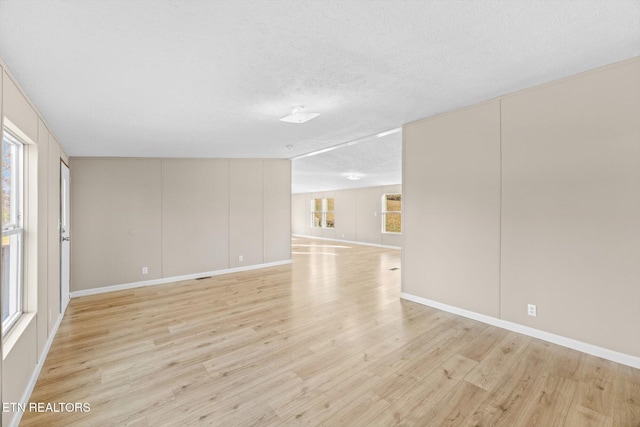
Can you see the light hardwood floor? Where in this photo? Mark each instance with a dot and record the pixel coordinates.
(325, 341)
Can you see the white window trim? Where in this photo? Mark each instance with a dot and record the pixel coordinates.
(385, 212)
(16, 227)
(314, 212)
(323, 213)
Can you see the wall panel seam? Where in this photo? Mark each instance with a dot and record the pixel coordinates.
(229, 261)
(500, 221)
(162, 217)
(264, 210)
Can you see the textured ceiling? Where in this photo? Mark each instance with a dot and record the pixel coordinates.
(375, 161)
(212, 78)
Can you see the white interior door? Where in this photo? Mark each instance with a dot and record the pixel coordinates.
(65, 237)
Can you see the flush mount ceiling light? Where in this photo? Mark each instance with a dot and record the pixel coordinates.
(353, 177)
(298, 115)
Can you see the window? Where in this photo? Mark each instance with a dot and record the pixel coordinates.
(329, 214)
(392, 213)
(316, 213)
(12, 230)
(322, 213)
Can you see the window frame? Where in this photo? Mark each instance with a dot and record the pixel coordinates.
(15, 229)
(385, 212)
(325, 211)
(316, 213)
(322, 213)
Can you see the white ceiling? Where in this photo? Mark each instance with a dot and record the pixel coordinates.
(212, 78)
(373, 160)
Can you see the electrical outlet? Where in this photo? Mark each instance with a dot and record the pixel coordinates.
(240, 258)
(532, 310)
(145, 270)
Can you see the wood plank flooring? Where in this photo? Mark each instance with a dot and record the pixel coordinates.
(324, 341)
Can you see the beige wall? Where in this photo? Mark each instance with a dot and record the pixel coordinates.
(246, 213)
(193, 192)
(18, 109)
(277, 205)
(25, 344)
(53, 227)
(550, 174)
(357, 215)
(116, 211)
(346, 210)
(368, 216)
(299, 203)
(452, 208)
(175, 217)
(571, 208)
(43, 236)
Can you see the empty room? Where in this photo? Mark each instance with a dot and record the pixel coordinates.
(318, 212)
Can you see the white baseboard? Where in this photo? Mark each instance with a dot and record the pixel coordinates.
(166, 280)
(591, 349)
(347, 241)
(36, 373)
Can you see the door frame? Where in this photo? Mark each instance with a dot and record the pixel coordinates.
(64, 290)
